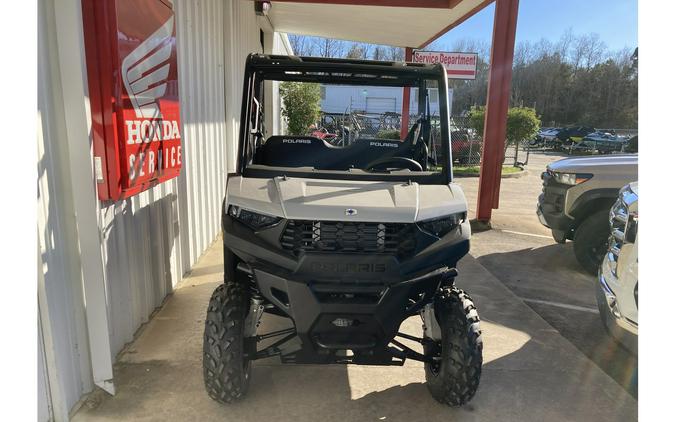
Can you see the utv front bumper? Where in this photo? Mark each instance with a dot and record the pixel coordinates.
(331, 318)
(344, 301)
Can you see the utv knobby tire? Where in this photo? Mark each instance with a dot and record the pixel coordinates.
(226, 371)
(590, 241)
(454, 379)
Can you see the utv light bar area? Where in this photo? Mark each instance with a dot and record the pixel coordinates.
(341, 71)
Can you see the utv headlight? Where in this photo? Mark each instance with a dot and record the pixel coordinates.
(571, 178)
(253, 219)
(441, 226)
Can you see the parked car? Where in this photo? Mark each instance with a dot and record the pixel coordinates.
(576, 197)
(465, 148)
(345, 242)
(617, 286)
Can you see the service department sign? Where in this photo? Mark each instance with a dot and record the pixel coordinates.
(457, 65)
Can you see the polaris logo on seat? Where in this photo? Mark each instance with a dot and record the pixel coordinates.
(345, 267)
(384, 144)
(296, 141)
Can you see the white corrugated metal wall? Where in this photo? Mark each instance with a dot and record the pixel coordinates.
(63, 313)
(150, 240)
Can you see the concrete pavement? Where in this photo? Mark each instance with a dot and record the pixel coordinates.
(521, 253)
(530, 371)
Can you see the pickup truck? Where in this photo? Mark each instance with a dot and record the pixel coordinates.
(617, 285)
(576, 198)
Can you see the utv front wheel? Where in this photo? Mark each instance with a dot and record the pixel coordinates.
(454, 375)
(226, 370)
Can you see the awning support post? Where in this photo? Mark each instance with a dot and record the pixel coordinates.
(499, 90)
(405, 107)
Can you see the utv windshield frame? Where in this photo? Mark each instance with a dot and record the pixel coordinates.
(260, 68)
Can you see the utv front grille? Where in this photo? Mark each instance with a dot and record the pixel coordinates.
(349, 237)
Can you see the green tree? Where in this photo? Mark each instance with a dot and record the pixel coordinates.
(301, 105)
(522, 123)
(389, 134)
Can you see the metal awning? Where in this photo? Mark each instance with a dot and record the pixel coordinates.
(403, 23)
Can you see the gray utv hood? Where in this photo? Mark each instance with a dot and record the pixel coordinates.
(309, 199)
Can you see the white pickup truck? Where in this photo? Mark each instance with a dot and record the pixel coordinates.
(617, 287)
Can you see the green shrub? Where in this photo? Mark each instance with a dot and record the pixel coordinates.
(389, 134)
(301, 105)
(522, 123)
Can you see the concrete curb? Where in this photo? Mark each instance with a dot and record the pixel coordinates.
(504, 176)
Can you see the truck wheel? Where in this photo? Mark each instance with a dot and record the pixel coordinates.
(591, 241)
(559, 236)
(454, 375)
(226, 371)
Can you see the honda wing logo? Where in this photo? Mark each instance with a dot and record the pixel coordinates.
(144, 78)
(145, 74)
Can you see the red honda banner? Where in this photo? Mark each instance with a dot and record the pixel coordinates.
(133, 84)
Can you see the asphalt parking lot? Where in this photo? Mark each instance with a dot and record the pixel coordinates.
(546, 356)
(520, 252)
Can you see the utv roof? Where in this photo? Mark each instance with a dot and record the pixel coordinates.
(342, 71)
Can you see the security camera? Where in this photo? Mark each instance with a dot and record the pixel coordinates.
(262, 8)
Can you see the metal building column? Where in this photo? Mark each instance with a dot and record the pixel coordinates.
(71, 64)
(499, 90)
(405, 107)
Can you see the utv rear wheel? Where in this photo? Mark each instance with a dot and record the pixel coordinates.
(454, 376)
(226, 370)
(590, 241)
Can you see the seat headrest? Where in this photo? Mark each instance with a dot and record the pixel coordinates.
(277, 140)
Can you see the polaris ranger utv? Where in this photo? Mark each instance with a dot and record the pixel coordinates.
(345, 241)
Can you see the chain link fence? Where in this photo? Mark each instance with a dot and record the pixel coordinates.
(342, 129)
(466, 144)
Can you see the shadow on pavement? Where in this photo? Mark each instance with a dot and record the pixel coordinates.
(530, 373)
(551, 274)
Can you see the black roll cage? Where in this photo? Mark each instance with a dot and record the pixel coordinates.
(261, 67)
